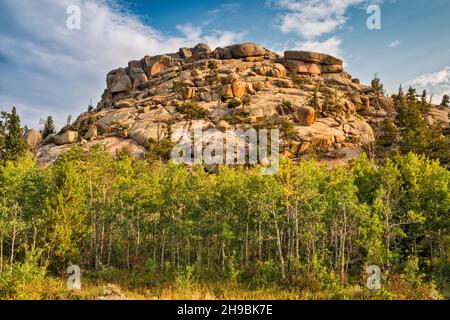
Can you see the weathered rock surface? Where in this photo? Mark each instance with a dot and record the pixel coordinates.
(238, 86)
(305, 116)
(66, 138)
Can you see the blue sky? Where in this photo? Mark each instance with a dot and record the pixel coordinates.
(47, 69)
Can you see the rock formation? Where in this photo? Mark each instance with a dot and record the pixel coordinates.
(238, 86)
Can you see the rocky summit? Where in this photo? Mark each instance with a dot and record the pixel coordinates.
(319, 108)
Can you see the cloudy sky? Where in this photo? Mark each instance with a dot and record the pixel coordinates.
(48, 69)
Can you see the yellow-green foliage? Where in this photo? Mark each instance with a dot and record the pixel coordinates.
(237, 221)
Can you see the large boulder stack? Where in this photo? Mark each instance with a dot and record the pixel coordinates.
(239, 51)
(313, 63)
(238, 86)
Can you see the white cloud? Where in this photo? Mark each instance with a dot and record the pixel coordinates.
(394, 44)
(331, 46)
(437, 83)
(313, 18)
(46, 68)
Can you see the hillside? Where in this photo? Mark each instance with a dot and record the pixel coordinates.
(320, 108)
(363, 215)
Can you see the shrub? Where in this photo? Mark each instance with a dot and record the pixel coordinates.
(192, 110)
(388, 133)
(177, 86)
(298, 80)
(213, 65)
(26, 273)
(159, 150)
(270, 73)
(287, 129)
(234, 103)
(286, 103)
(212, 78)
(314, 100)
(267, 273)
(186, 279)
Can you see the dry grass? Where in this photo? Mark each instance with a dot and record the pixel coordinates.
(52, 288)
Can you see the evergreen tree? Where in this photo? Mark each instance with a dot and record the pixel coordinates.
(2, 134)
(377, 86)
(445, 101)
(49, 127)
(15, 144)
(411, 96)
(388, 133)
(399, 98)
(424, 104)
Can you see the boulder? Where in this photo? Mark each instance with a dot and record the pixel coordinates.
(244, 50)
(336, 79)
(296, 66)
(239, 89)
(157, 64)
(134, 64)
(187, 93)
(185, 53)
(232, 78)
(313, 68)
(332, 68)
(223, 53)
(305, 116)
(202, 48)
(312, 57)
(304, 147)
(223, 125)
(119, 82)
(65, 138)
(143, 131)
(123, 118)
(387, 104)
(92, 133)
(322, 141)
(226, 92)
(356, 97)
(138, 76)
(276, 70)
(123, 104)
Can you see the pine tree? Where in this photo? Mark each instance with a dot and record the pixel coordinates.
(445, 101)
(2, 134)
(424, 104)
(399, 98)
(377, 86)
(411, 96)
(49, 127)
(15, 144)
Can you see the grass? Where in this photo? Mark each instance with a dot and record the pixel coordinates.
(151, 284)
(92, 289)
